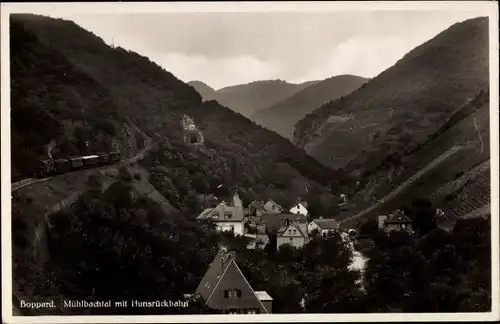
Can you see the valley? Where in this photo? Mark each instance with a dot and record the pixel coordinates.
(311, 196)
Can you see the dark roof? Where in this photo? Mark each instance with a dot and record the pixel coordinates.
(275, 221)
(328, 223)
(224, 262)
(273, 203)
(218, 213)
(398, 218)
(206, 213)
(258, 204)
(304, 204)
(214, 273)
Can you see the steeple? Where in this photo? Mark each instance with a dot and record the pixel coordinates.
(236, 200)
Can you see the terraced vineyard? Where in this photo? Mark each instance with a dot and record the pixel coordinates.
(474, 195)
(395, 197)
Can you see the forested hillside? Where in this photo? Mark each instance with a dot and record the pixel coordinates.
(237, 153)
(64, 78)
(283, 116)
(451, 169)
(115, 242)
(397, 110)
(55, 105)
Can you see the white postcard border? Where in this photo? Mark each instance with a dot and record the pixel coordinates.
(485, 8)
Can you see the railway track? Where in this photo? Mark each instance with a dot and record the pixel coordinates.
(147, 147)
(393, 194)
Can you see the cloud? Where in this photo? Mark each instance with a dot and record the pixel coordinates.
(363, 56)
(240, 69)
(223, 49)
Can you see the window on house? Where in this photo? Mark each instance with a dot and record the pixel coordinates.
(324, 235)
(233, 311)
(237, 293)
(228, 293)
(294, 231)
(232, 228)
(403, 226)
(291, 239)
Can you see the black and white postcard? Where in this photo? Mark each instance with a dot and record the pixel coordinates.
(250, 162)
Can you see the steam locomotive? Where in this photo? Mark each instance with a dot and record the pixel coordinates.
(64, 165)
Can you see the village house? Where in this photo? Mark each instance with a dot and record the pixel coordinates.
(397, 221)
(226, 217)
(293, 233)
(272, 207)
(256, 208)
(273, 222)
(300, 208)
(225, 288)
(324, 227)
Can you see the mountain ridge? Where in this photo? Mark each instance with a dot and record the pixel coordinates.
(396, 110)
(236, 152)
(282, 116)
(206, 92)
(252, 96)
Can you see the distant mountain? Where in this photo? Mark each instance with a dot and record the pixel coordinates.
(282, 117)
(399, 109)
(251, 97)
(206, 92)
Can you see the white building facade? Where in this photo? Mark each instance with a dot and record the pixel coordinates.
(299, 209)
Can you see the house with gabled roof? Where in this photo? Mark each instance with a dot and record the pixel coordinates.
(256, 208)
(292, 233)
(226, 217)
(272, 207)
(273, 222)
(299, 208)
(225, 288)
(324, 227)
(398, 221)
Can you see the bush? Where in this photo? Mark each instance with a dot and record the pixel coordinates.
(124, 174)
(106, 126)
(94, 180)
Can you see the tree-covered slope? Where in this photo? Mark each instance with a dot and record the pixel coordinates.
(55, 104)
(206, 92)
(397, 110)
(283, 116)
(236, 153)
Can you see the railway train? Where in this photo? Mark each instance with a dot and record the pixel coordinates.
(64, 165)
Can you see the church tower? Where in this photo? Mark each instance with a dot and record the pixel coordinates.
(237, 206)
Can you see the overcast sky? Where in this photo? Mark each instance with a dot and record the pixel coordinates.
(223, 49)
